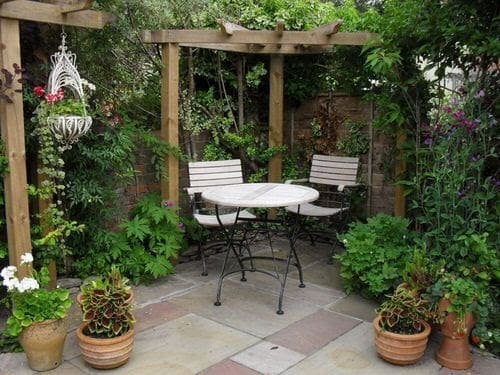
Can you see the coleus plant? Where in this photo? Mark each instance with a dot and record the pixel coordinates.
(107, 305)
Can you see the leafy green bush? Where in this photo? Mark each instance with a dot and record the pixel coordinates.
(143, 247)
(375, 255)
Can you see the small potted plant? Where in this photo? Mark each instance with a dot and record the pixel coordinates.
(401, 328)
(38, 314)
(459, 297)
(106, 335)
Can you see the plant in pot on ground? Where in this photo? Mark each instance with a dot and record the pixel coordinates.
(459, 298)
(401, 328)
(106, 335)
(38, 314)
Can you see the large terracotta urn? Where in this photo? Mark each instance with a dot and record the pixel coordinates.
(454, 352)
(400, 349)
(43, 343)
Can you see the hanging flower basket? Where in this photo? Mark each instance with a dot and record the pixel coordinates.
(67, 117)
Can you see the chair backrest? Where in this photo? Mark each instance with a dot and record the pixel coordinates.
(334, 170)
(206, 174)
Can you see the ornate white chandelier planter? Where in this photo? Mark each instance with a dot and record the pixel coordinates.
(67, 128)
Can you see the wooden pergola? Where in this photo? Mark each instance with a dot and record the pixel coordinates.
(11, 114)
(234, 38)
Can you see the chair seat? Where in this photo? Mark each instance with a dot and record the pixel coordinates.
(210, 221)
(309, 209)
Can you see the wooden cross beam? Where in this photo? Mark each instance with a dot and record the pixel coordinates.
(266, 37)
(54, 13)
(11, 114)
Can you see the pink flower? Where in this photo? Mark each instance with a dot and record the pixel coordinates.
(52, 98)
(115, 120)
(38, 91)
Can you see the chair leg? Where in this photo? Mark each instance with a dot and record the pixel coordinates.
(202, 254)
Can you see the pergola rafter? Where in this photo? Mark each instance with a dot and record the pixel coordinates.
(236, 38)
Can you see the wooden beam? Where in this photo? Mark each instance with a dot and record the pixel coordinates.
(275, 115)
(170, 119)
(329, 29)
(12, 128)
(275, 119)
(280, 27)
(256, 37)
(285, 49)
(76, 7)
(228, 27)
(51, 13)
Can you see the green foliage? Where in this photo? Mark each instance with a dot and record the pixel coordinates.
(31, 302)
(144, 245)
(404, 312)
(106, 305)
(355, 143)
(375, 255)
(421, 272)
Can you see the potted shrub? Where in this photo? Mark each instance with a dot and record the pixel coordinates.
(459, 298)
(401, 328)
(38, 315)
(106, 335)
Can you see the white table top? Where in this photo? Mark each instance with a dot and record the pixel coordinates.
(262, 195)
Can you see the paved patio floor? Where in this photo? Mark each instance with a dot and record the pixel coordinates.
(180, 331)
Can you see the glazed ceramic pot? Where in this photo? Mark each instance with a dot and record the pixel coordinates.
(43, 343)
(400, 349)
(454, 351)
(105, 353)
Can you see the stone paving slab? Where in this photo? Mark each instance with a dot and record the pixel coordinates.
(313, 332)
(268, 358)
(244, 307)
(14, 364)
(353, 353)
(159, 290)
(313, 294)
(156, 314)
(185, 345)
(322, 273)
(356, 306)
(229, 368)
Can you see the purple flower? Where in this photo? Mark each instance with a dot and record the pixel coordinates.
(461, 194)
(479, 94)
(447, 109)
(427, 141)
(181, 226)
(457, 115)
(475, 158)
(167, 204)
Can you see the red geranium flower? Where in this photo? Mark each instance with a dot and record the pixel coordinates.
(38, 91)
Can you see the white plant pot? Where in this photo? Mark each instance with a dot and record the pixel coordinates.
(67, 129)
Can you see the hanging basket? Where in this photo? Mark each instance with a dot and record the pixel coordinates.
(67, 129)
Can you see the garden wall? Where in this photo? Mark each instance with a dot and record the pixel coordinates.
(297, 128)
(340, 107)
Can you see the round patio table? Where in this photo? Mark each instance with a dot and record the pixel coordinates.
(260, 195)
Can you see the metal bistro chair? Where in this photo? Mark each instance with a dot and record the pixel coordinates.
(208, 174)
(333, 176)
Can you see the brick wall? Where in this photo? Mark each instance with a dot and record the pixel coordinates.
(297, 123)
(298, 126)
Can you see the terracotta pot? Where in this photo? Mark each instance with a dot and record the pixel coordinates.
(43, 343)
(454, 351)
(400, 349)
(104, 353)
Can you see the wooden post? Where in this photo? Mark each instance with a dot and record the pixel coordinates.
(12, 127)
(170, 119)
(399, 171)
(275, 119)
(275, 115)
